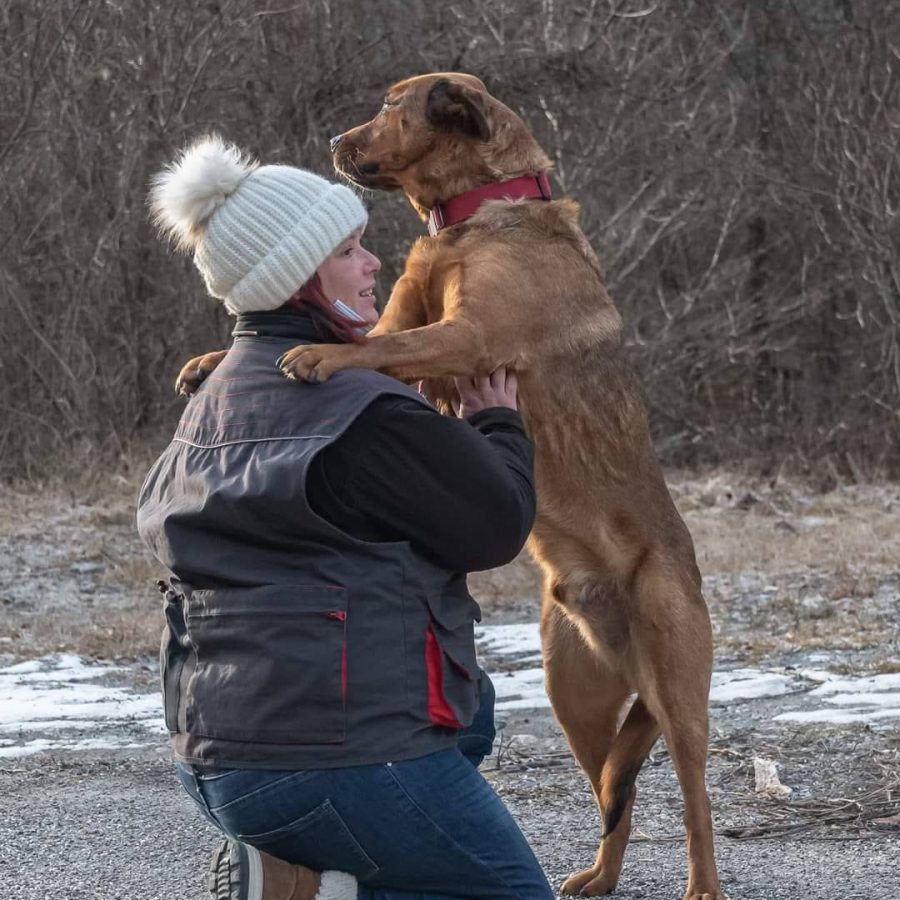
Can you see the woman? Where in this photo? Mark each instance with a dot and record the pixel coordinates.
(318, 663)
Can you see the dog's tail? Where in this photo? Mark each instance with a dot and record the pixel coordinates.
(630, 748)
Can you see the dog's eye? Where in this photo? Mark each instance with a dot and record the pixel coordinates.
(387, 105)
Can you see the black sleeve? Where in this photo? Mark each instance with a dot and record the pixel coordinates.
(462, 492)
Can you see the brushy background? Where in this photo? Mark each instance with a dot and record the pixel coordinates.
(737, 162)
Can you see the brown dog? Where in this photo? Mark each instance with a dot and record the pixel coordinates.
(517, 285)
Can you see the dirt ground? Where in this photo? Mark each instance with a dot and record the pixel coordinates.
(784, 568)
(792, 576)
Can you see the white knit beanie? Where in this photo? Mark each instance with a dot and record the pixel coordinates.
(257, 232)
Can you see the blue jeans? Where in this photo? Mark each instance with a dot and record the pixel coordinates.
(424, 829)
(430, 828)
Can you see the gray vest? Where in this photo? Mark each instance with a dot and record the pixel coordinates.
(289, 644)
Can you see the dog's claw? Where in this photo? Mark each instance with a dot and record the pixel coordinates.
(312, 364)
(196, 371)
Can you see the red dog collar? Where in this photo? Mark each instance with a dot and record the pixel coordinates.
(464, 206)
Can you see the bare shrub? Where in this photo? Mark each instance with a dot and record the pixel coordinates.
(736, 162)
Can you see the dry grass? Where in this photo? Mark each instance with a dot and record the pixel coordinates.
(785, 566)
(515, 588)
(788, 568)
(123, 633)
(74, 576)
(742, 526)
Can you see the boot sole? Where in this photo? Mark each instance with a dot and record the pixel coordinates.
(235, 872)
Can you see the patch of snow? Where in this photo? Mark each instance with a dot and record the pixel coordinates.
(887, 699)
(865, 684)
(865, 699)
(56, 703)
(523, 689)
(48, 725)
(41, 745)
(748, 684)
(30, 706)
(818, 675)
(53, 669)
(55, 694)
(837, 716)
(12, 750)
(511, 640)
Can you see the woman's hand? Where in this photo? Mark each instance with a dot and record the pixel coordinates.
(486, 391)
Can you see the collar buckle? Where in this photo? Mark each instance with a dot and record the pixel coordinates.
(435, 219)
(543, 183)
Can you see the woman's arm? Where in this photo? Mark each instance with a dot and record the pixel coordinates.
(461, 491)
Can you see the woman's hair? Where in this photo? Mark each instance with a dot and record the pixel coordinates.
(328, 321)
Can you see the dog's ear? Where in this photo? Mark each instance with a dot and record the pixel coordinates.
(453, 105)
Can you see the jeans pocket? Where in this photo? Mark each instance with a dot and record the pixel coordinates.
(319, 839)
(241, 798)
(208, 774)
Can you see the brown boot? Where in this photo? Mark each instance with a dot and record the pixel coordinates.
(240, 872)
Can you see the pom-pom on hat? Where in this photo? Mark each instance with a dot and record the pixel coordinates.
(257, 232)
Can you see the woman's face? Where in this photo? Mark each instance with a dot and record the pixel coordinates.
(349, 275)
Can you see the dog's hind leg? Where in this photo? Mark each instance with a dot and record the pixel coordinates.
(615, 799)
(587, 699)
(675, 646)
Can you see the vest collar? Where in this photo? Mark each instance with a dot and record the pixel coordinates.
(283, 322)
(464, 206)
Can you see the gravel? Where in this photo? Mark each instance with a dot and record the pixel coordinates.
(116, 825)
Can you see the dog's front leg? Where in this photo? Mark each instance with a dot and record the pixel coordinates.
(405, 308)
(449, 347)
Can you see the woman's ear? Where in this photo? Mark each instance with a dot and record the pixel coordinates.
(458, 107)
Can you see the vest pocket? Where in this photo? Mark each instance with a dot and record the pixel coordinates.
(271, 664)
(452, 673)
(174, 652)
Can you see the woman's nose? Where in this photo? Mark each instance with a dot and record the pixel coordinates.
(335, 141)
(374, 262)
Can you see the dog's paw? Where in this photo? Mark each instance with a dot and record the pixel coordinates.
(313, 363)
(196, 371)
(589, 883)
(715, 894)
(441, 393)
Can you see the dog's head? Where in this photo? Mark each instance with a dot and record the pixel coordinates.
(435, 137)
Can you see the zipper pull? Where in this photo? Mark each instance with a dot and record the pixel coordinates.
(340, 615)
